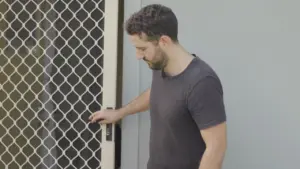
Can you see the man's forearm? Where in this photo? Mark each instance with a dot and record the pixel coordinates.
(139, 104)
(212, 159)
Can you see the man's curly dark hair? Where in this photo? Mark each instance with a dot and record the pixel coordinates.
(154, 21)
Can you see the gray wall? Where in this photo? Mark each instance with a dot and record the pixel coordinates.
(254, 46)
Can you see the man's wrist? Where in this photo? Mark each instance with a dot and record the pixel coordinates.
(123, 112)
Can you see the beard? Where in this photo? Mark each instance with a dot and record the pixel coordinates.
(160, 64)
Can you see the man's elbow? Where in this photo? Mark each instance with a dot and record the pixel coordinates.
(222, 148)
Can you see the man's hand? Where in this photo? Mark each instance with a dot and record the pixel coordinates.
(106, 116)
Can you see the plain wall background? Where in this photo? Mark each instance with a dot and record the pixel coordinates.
(254, 46)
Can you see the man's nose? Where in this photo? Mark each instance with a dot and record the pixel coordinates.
(139, 57)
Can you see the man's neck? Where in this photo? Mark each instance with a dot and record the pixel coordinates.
(179, 59)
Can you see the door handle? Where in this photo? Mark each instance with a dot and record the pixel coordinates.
(109, 130)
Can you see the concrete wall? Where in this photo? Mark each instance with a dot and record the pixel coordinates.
(254, 47)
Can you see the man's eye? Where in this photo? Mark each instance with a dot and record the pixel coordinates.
(140, 49)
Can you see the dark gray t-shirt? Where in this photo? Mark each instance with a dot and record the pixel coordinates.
(180, 106)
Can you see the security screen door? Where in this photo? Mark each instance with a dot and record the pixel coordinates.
(58, 61)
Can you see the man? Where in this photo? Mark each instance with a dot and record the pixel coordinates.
(188, 121)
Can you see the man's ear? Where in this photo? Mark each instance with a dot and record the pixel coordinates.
(165, 41)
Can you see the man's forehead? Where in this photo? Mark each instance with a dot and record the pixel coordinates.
(138, 40)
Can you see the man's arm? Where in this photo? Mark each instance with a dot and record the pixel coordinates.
(139, 104)
(205, 103)
(215, 140)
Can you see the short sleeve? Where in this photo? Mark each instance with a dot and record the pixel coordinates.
(205, 103)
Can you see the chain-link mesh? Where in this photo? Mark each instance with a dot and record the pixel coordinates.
(51, 81)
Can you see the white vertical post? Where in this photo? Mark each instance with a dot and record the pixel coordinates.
(109, 78)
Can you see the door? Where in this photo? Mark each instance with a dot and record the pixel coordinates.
(58, 63)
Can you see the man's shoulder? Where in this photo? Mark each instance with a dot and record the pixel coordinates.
(200, 71)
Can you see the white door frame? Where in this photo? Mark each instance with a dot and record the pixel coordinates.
(111, 20)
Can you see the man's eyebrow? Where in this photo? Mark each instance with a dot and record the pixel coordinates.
(140, 47)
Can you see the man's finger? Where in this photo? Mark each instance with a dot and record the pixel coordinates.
(102, 121)
(92, 115)
(96, 118)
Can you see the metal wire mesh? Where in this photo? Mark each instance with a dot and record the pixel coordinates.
(50, 82)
